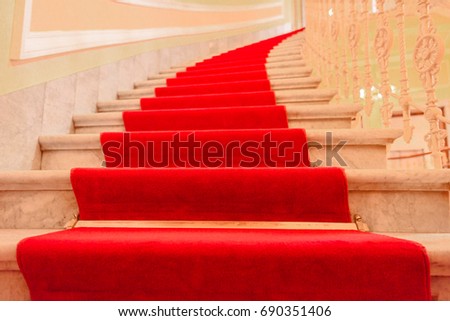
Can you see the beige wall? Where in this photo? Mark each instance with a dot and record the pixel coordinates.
(39, 96)
(53, 22)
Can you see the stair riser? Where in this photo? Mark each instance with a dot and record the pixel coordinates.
(37, 209)
(291, 97)
(344, 122)
(295, 56)
(275, 73)
(321, 154)
(14, 288)
(385, 209)
(281, 64)
(283, 84)
(276, 83)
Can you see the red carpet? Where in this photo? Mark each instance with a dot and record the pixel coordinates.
(217, 88)
(244, 62)
(217, 264)
(221, 70)
(208, 264)
(207, 79)
(260, 98)
(215, 194)
(206, 118)
(212, 148)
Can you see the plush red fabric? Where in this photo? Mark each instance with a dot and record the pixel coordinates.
(207, 148)
(254, 52)
(259, 98)
(222, 264)
(216, 88)
(240, 62)
(207, 79)
(224, 194)
(221, 70)
(218, 264)
(206, 118)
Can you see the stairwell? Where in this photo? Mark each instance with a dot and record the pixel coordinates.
(408, 204)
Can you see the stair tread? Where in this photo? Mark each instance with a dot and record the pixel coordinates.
(358, 180)
(437, 245)
(143, 88)
(9, 238)
(352, 136)
(331, 110)
(287, 96)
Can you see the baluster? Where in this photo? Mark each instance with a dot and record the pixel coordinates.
(315, 45)
(367, 66)
(405, 99)
(343, 16)
(353, 39)
(335, 30)
(329, 44)
(311, 30)
(428, 56)
(383, 45)
(322, 43)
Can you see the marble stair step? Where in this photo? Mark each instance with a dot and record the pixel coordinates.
(269, 65)
(14, 287)
(276, 84)
(281, 51)
(282, 58)
(390, 201)
(349, 148)
(294, 44)
(283, 97)
(299, 116)
(273, 73)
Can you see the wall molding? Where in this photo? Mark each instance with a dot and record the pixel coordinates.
(38, 44)
(178, 5)
(35, 44)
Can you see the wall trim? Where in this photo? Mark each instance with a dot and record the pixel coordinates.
(173, 4)
(35, 44)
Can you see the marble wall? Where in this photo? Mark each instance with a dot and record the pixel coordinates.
(48, 108)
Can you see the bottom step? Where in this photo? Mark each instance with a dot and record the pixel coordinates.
(13, 286)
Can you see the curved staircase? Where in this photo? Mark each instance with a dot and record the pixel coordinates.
(409, 205)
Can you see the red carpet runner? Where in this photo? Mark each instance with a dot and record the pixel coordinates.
(260, 98)
(206, 118)
(218, 88)
(222, 264)
(207, 148)
(226, 194)
(217, 264)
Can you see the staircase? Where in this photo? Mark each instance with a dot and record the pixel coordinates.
(412, 205)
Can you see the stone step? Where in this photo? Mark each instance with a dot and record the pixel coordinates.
(289, 57)
(297, 56)
(14, 287)
(286, 51)
(285, 48)
(350, 148)
(160, 80)
(299, 116)
(283, 97)
(272, 73)
(269, 65)
(390, 201)
(276, 84)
